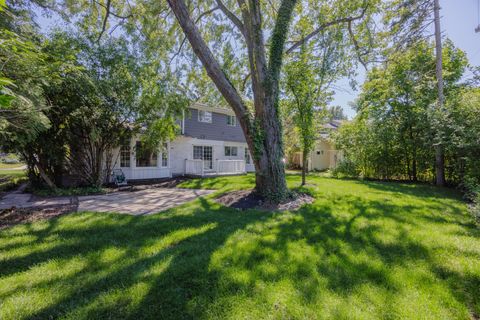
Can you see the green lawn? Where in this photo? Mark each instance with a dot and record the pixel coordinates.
(10, 179)
(363, 250)
(10, 165)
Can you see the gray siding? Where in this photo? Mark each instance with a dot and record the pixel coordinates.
(217, 130)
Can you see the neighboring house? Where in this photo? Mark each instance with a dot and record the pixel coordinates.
(211, 143)
(324, 155)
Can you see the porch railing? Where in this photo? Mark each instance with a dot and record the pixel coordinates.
(230, 166)
(197, 167)
(194, 167)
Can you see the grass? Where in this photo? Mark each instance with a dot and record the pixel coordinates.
(363, 250)
(10, 179)
(10, 165)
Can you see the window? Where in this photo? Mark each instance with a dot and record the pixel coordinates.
(165, 155)
(125, 154)
(204, 153)
(247, 156)
(204, 116)
(144, 156)
(231, 121)
(231, 151)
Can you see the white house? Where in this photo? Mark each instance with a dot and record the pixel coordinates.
(324, 155)
(211, 143)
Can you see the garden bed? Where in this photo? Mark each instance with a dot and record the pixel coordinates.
(13, 216)
(248, 199)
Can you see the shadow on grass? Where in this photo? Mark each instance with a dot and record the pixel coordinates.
(180, 265)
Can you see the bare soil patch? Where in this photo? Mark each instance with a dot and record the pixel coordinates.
(13, 216)
(248, 199)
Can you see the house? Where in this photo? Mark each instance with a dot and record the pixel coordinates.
(211, 143)
(324, 155)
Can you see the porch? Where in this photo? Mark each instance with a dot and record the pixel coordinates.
(202, 168)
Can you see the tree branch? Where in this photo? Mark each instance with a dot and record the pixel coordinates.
(235, 20)
(355, 43)
(324, 26)
(105, 19)
(211, 65)
(196, 21)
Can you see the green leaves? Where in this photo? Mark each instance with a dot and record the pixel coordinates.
(392, 135)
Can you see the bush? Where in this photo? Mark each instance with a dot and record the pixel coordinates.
(80, 191)
(472, 193)
(475, 208)
(346, 168)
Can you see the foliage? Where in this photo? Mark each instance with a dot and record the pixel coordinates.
(304, 99)
(391, 137)
(336, 113)
(346, 168)
(21, 78)
(362, 250)
(64, 192)
(71, 99)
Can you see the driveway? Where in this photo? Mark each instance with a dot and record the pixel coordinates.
(136, 203)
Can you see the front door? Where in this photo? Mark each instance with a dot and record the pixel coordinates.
(204, 153)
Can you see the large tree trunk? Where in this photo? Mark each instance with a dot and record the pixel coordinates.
(264, 132)
(439, 155)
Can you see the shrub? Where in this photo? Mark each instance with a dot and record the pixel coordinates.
(472, 193)
(346, 168)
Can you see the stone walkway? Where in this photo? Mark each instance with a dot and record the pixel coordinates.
(142, 202)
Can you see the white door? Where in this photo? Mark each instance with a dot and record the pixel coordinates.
(204, 153)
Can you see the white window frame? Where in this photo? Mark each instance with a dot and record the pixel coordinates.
(124, 152)
(205, 116)
(153, 157)
(234, 120)
(230, 148)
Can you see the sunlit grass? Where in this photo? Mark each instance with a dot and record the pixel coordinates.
(10, 179)
(10, 165)
(363, 250)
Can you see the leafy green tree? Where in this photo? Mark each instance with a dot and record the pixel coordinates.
(392, 133)
(336, 113)
(307, 92)
(300, 79)
(22, 105)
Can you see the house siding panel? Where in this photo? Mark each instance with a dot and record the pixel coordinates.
(217, 130)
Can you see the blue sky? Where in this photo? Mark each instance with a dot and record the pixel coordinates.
(458, 21)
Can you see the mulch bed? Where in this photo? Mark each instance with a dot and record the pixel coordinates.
(13, 216)
(248, 199)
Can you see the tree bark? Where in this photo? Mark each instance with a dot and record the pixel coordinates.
(264, 132)
(439, 155)
(45, 177)
(304, 167)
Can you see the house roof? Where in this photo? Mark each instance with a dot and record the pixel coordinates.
(328, 127)
(206, 107)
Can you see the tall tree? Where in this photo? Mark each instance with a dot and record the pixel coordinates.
(439, 156)
(391, 137)
(262, 128)
(300, 85)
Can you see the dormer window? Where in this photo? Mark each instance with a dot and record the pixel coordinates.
(231, 121)
(204, 116)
